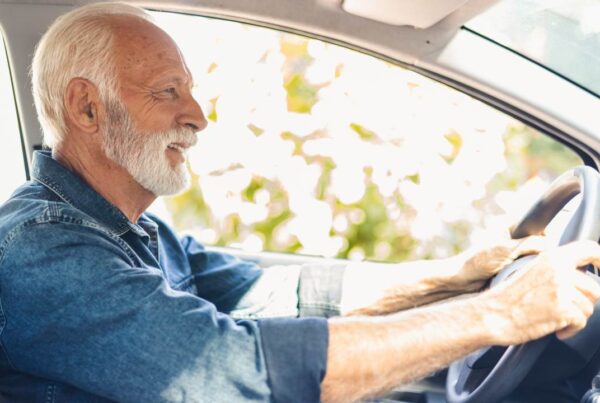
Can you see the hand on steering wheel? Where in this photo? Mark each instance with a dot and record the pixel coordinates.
(490, 374)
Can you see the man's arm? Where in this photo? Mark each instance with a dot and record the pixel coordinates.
(384, 288)
(366, 288)
(82, 309)
(368, 356)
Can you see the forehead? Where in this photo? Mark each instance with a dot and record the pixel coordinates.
(145, 52)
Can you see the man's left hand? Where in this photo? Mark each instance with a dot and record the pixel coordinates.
(477, 265)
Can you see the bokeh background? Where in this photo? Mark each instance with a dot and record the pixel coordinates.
(317, 149)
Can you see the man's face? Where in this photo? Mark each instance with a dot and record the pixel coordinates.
(149, 130)
(144, 155)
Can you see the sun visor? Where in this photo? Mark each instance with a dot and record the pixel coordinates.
(416, 13)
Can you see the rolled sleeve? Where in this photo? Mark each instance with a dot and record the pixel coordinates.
(295, 352)
(320, 290)
(293, 290)
(273, 295)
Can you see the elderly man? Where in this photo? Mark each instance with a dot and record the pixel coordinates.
(101, 301)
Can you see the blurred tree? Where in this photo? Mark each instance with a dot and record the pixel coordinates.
(404, 155)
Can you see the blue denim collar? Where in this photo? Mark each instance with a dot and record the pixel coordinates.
(74, 191)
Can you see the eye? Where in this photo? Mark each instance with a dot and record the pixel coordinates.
(165, 93)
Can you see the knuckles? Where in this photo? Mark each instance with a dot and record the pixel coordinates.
(550, 295)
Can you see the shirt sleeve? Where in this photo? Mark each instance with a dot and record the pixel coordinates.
(217, 277)
(220, 278)
(78, 309)
(295, 375)
(293, 290)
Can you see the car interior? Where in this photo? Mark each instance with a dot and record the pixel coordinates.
(398, 129)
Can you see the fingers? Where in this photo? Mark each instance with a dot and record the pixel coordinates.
(581, 306)
(578, 322)
(577, 316)
(551, 293)
(577, 254)
(587, 285)
(530, 245)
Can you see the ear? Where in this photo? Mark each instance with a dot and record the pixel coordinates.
(81, 105)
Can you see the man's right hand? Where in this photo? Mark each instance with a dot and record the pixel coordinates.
(370, 355)
(549, 295)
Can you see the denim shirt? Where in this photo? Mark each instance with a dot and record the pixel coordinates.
(94, 308)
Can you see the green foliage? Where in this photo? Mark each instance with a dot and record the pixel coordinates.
(456, 141)
(301, 95)
(377, 226)
(529, 154)
(212, 116)
(364, 133)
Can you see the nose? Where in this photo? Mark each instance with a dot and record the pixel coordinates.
(192, 116)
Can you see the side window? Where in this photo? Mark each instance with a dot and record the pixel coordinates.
(317, 149)
(11, 153)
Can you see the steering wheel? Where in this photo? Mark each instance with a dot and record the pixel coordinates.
(492, 373)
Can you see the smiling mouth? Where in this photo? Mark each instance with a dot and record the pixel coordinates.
(179, 147)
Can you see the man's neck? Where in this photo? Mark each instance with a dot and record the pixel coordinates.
(107, 178)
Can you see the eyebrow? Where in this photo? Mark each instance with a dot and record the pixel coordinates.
(177, 79)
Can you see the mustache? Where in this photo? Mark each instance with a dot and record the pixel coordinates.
(181, 135)
(122, 122)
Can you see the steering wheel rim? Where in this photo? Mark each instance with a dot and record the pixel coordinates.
(490, 374)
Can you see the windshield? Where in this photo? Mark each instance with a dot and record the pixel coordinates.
(562, 35)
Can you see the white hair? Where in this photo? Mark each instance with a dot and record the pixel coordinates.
(78, 44)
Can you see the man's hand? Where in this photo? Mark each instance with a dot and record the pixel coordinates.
(546, 296)
(476, 266)
(369, 356)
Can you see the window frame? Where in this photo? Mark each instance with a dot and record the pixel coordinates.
(5, 55)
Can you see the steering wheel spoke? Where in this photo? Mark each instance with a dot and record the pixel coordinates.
(485, 358)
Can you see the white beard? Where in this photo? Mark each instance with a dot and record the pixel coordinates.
(143, 154)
